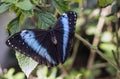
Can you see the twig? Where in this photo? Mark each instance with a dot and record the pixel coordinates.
(116, 59)
(101, 65)
(65, 72)
(97, 51)
(118, 75)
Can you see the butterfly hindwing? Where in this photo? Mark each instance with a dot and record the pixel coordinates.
(49, 47)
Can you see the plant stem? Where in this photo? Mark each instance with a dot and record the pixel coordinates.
(118, 75)
(97, 51)
(64, 70)
(101, 65)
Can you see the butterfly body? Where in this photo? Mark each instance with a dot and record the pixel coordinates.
(49, 47)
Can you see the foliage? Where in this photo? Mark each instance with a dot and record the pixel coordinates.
(26, 63)
(98, 25)
(10, 75)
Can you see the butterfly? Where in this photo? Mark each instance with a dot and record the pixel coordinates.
(47, 47)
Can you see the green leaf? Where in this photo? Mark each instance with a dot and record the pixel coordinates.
(91, 30)
(104, 3)
(4, 7)
(45, 20)
(28, 13)
(22, 18)
(9, 74)
(53, 73)
(79, 1)
(12, 8)
(108, 47)
(13, 26)
(42, 72)
(19, 75)
(10, 1)
(19, 11)
(27, 64)
(25, 5)
(61, 5)
(36, 2)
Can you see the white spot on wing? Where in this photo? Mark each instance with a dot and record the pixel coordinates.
(12, 45)
(8, 40)
(75, 15)
(9, 43)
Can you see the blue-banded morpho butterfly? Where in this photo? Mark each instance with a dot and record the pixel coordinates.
(47, 47)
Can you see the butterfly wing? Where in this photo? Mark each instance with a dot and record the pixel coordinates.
(64, 31)
(34, 43)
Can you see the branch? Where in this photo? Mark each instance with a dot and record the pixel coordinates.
(97, 51)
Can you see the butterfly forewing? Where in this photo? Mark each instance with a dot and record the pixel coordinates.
(64, 32)
(48, 47)
(34, 48)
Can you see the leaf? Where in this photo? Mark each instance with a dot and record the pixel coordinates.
(4, 7)
(104, 3)
(28, 24)
(22, 18)
(28, 13)
(36, 2)
(91, 30)
(12, 8)
(42, 72)
(79, 1)
(18, 12)
(10, 1)
(27, 64)
(53, 73)
(106, 37)
(45, 20)
(13, 26)
(61, 5)
(19, 75)
(25, 5)
(10, 73)
(114, 7)
(108, 47)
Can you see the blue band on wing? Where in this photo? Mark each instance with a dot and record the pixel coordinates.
(29, 38)
(65, 23)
